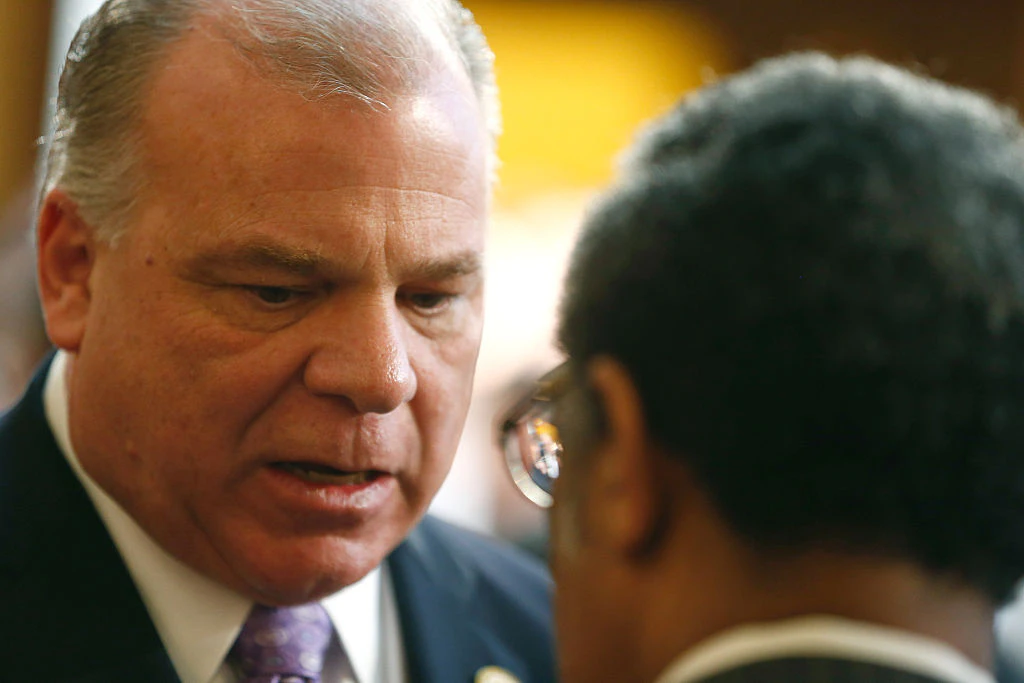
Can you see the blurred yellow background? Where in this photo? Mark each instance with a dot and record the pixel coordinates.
(577, 79)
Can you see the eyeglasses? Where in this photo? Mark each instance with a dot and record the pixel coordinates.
(530, 440)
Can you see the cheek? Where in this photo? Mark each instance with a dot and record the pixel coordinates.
(444, 377)
(570, 557)
(439, 412)
(565, 535)
(573, 620)
(458, 349)
(219, 375)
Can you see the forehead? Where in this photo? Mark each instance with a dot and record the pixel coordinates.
(211, 120)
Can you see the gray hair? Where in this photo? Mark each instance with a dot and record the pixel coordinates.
(366, 49)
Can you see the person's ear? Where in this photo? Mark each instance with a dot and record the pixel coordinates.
(65, 254)
(625, 499)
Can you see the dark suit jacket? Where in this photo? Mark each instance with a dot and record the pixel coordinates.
(1010, 648)
(817, 670)
(70, 612)
(1008, 670)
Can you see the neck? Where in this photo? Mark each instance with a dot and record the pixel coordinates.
(716, 595)
(888, 592)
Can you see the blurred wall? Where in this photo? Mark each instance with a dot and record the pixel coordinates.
(24, 41)
(976, 44)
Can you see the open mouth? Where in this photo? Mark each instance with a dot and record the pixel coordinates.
(324, 474)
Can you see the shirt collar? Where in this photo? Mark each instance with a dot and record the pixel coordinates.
(197, 618)
(824, 636)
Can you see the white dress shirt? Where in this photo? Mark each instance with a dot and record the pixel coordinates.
(824, 636)
(198, 619)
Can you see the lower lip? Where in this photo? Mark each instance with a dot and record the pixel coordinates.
(355, 501)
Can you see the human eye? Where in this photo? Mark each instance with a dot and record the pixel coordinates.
(430, 303)
(273, 296)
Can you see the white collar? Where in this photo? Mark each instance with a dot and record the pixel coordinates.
(197, 618)
(824, 636)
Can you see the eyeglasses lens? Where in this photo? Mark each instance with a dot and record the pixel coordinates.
(534, 453)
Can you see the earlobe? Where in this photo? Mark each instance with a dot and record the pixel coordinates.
(65, 254)
(626, 495)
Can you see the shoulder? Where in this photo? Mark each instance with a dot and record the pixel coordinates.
(490, 557)
(488, 551)
(488, 580)
(468, 601)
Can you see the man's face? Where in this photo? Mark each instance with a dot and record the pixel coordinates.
(277, 358)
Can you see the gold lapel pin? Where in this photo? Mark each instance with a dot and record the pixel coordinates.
(494, 674)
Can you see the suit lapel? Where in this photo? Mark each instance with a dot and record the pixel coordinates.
(444, 632)
(65, 590)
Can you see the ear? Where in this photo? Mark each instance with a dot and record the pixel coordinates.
(65, 253)
(626, 503)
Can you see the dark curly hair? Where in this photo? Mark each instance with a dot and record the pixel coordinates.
(814, 272)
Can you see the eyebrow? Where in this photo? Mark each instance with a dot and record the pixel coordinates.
(307, 263)
(300, 262)
(466, 263)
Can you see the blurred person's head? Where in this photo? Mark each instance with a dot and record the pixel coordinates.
(795, 340)
(260, 241)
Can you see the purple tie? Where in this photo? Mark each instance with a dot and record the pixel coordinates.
(283, 644)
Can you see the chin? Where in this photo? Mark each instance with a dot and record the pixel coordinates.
(313, 571)
(300, 584)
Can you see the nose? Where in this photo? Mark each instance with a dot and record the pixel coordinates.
(360, 354)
